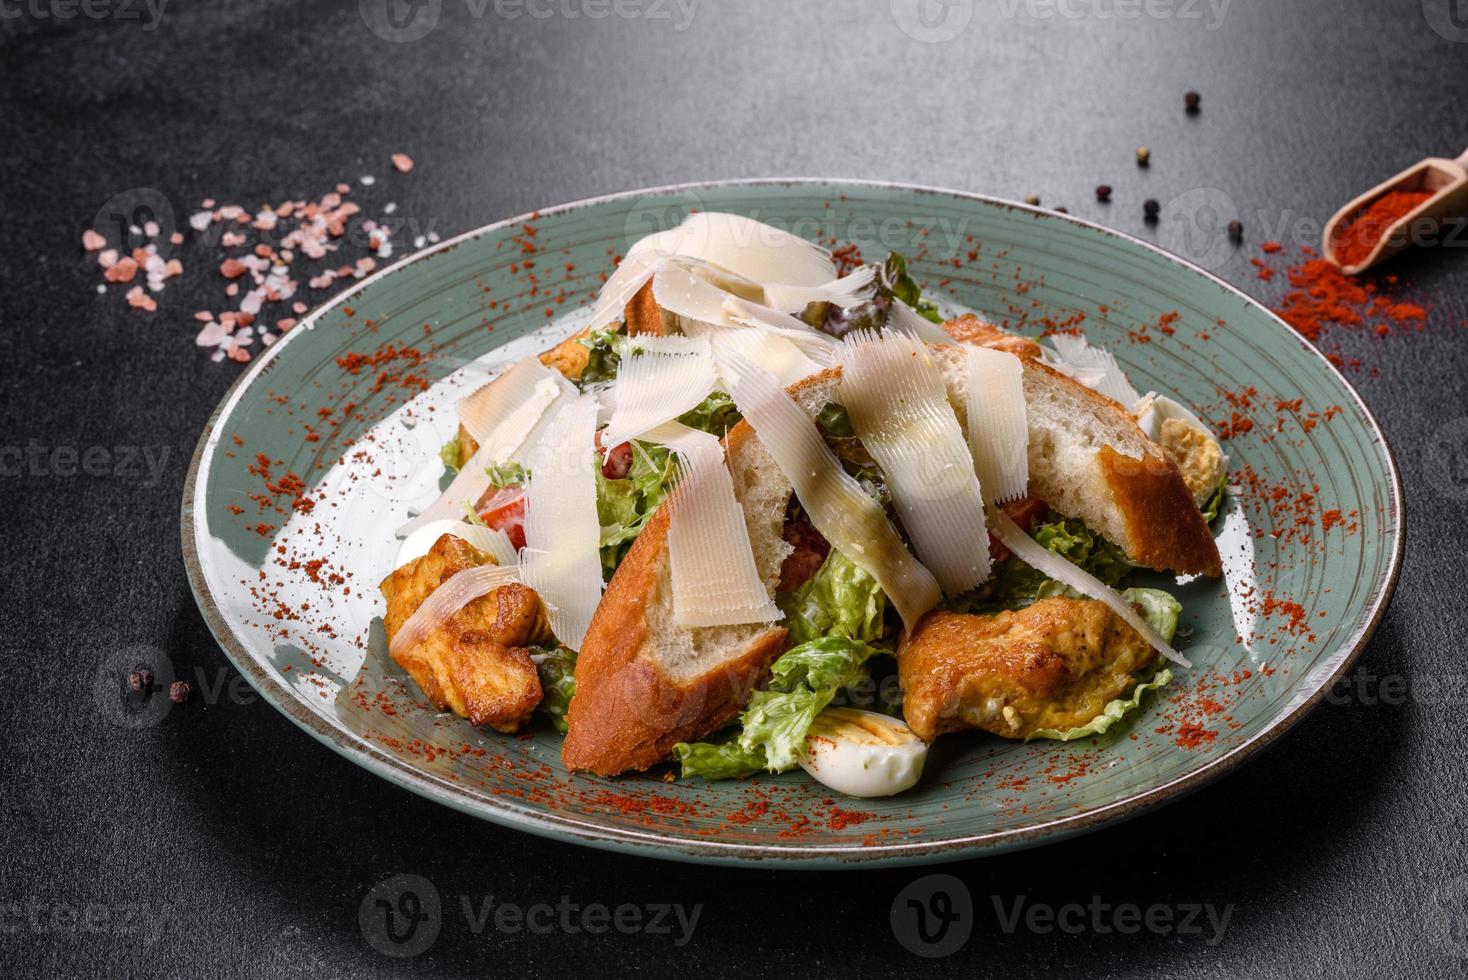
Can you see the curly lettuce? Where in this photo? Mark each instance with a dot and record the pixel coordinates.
(1214, 503)
(557, 669)
(841, 600)
(774, 724)
(1161, 610)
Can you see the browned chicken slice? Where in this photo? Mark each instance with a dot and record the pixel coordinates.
(476, 663)
(969, 329)
(1053, 665)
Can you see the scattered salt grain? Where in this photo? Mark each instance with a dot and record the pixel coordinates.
(91, 241)
(368, 180)
(403, 162)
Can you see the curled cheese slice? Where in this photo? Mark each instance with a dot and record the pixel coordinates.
(894, 392)
(750, 249)
(774, 353)
(846, 292)
(630, 275)
(509, 440)
(998, 429)
(1076, 354)
(446, 600)
(904, 319)
(499, 409)
(561, 560)
(818, 346)
(659, 379)
(690, 297)
(1060, 568)
(846, 516)
(491, 541)
(714, 578)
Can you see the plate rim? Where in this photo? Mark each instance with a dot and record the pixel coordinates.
(668, 847)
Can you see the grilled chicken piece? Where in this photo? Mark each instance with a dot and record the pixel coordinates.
(1054, 664)
(476, 664)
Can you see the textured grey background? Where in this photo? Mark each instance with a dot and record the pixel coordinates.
(224, 842)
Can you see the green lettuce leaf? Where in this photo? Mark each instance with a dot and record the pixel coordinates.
(717, 761)
(1071, 538)
(896, 282)
(716, 414)
(841, 600)
(774, 724)
(1215, 502)
(805, 679)
(624, 506)
(448, 453)
(605, 358)
(507, 474)
(1110, 715)
(557, 669)
(1161, 610)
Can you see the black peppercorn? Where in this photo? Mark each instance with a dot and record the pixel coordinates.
(1191, 100)
(1150, 209)
(1236, 230)
(1103, 193)
(140, 680)
(179, 692)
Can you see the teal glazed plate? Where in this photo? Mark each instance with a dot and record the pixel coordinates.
(330, 437)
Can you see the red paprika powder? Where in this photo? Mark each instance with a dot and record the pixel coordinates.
(1356, 239)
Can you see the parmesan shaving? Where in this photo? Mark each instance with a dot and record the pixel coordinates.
(750, 249)
(714, 578)
(998, 429)
(1060, 568)
(772, 352)
(1075, 353)
(446, 600)
(814, 344)
(894, 392)
(846, 292)
(561, 560)
(631, 275)
(690, 297)
(513, 438)
(658, 380)
(490, 409)
(904, 319)
(846, 516)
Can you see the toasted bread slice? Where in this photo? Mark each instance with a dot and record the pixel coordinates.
(476, 663)
(644, 683)
(1089, 459)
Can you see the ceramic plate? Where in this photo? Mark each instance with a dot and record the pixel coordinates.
(322, 446)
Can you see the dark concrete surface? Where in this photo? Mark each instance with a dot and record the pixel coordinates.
(223, 842)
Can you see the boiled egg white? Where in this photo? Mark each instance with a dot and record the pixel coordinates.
(863, 753)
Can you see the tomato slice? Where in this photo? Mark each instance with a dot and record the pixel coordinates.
(1026, 513)
(618, 462)
(503, 508)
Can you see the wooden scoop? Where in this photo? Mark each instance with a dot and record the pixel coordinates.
(1446, 180)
